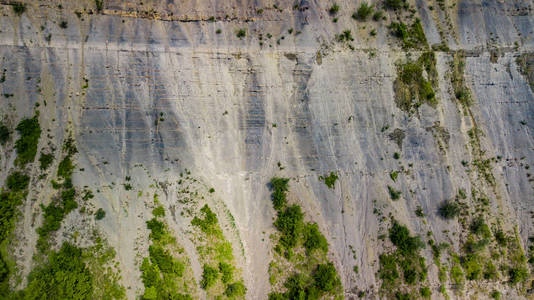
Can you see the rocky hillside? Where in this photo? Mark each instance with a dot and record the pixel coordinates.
(262, 149)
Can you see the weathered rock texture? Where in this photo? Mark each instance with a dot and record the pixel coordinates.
(149, 90)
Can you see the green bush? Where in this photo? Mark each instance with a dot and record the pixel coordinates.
(329, 180)
(378, 15)
(227, 272)
(17, 181)
(4, 134)
(290, 224)
(388, 271)
(18, 8)
(241, 33)
(314, 239)
(100, 214)
(209, 277)
(65, 168)
(334, 9)
(425, 292)
(45, 160)
(393, 193)
(364, 11)
(394, 4)
(9, 201)
(158, 211)
(208, 223)
(279, 187)
(157, 229)
(30, 132)
(236, 289)
(480, 228)
(518, 274)
(400, 237)
(99, 5)
(326, 278)
(63, 276)
(449, 210)
(165, 261)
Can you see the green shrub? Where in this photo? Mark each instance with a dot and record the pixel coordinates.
(4, 134)
(63, 276)
(65, 168)
(314, 239)
(393, 175)
(209, 277)
(411, 37)
(63, 24)
(236, 289)
(158, 211)
(400, 237)
(329, 180)
(393, 193)
(425, 292)
(17, 181)
(518, 274)
(449, 210)
(157, 229)
(241, 33)
(9, 201)
(165, 261)
(334, 9)
(496, 295)
(279, 187)
(480, 228)
(394, 4)
(208, 223)
(100, 214)
(326, 278)
(99, 5)
(388, 271)
(45, 160)
(227, 272)
(290, 224)
(378, 15)
(18, 8)
(30, 132)
(364, 11)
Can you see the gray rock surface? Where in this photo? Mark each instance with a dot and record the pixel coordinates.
(167, 93)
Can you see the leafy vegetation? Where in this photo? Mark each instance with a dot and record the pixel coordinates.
(329, 180)
(100, 214)
(30, 132)
(363, 12)
(18, 8)
(4, 134)
(402, 265)
(393, 193)
(334, 9)
(162, 273)
(412, 89)
(412, 36)
(449, 210)
(241, 33)
(301, 247)
(46, 160)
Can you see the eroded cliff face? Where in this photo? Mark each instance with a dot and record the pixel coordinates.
(182, 104)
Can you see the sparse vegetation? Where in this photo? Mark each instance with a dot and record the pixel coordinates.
(363, 12)
(449, 210)
(329, 180)
(30, 132)
(334, 9)
(4, 134)
(18, 8)
(241, 33)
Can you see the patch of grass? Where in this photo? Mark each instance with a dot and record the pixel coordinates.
(208, 223)
(412, 37)
(18, 8)
(17, 181)
(279, 187)
(363, 12)
(241, 33)
(236, 289)
(395, 4)
(290, 224)
(314, 239)
(26, 146)
(393, 193)
(326, 278)
(63, 276)
(334, 9)
(100, 214)
(449, 210)
(209, 277)
(45, 160)
(329, 180)
(5, 133)
(393, 175)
